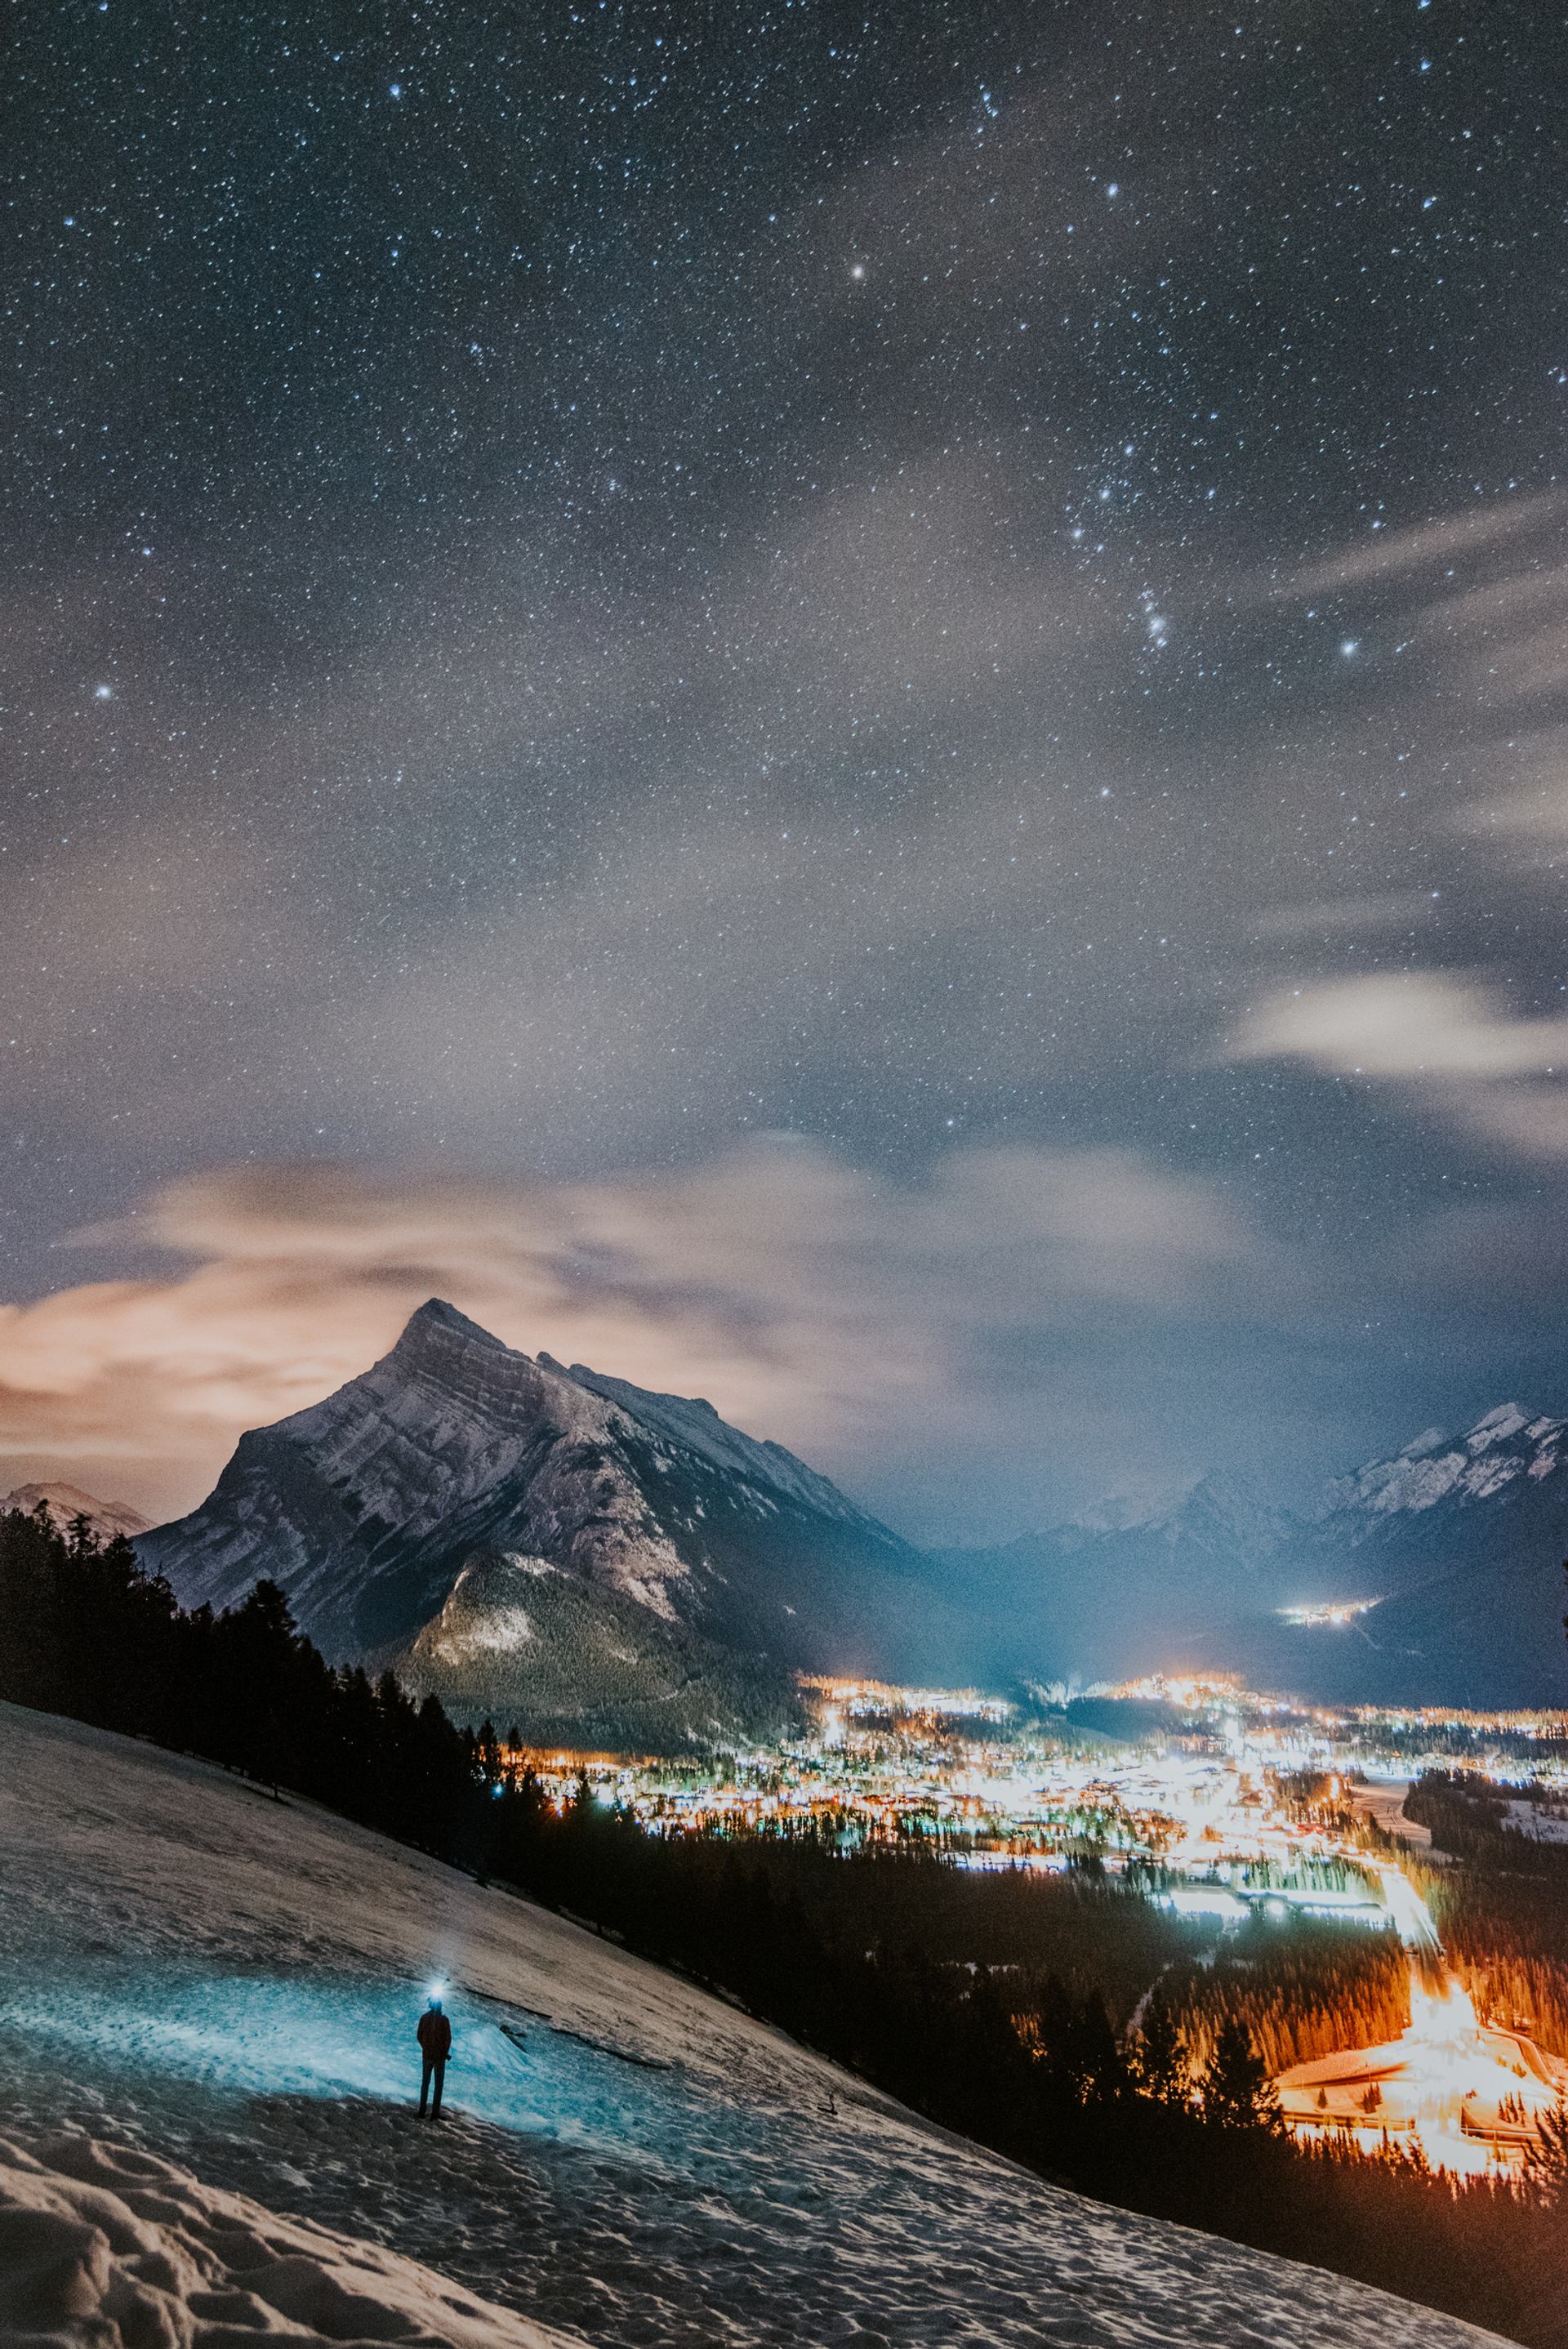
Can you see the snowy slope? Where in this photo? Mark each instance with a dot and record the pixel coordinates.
(113, 2249)
(232, 1985)
(692, 1424)
(683, 1542)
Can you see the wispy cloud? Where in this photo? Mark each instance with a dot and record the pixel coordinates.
(1440, 1035)
(1468, 537)
(1527, 810)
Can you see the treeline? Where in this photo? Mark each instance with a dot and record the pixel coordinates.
(83, 1631)
(874, 1960)
(1094, 1934)
(1466, 1815)
(1298, 1995)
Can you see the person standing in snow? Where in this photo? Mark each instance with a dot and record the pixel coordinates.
(434, 2038)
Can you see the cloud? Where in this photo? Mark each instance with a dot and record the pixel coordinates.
(1420, 1024)
(1400, 909)
(812, 1302)
(1445, 1035)
(1530, 803)
(1478, 596)
(1466, 536)
(1509, 633)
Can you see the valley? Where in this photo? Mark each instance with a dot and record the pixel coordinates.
(1099, 1938)
(1201, 1804)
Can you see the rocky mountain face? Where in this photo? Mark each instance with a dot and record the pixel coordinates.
(603, 1564)
(1395, 1508)
(613, 1566)
(65, 1503)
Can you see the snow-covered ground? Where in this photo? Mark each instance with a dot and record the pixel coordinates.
(1383, 1799)
(232, 1984)
(105, 2244)
(1543, 1822)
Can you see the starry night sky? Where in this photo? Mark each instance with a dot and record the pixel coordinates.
(865, 706)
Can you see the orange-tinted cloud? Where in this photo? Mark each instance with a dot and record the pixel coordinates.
(809, 1300)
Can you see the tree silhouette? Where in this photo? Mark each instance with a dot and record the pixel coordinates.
(1237, 2092)
(1546, 2157)
(1163, 2064)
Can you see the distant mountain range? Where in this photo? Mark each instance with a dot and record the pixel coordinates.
(66, 1501)
(607, 1565)
(1098, 1598)
(1457, 1539)
(1461, 1539)
(603, 1564)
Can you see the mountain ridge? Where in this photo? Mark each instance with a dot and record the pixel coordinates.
(610, 1565)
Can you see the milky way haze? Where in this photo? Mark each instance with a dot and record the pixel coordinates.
(863, 706)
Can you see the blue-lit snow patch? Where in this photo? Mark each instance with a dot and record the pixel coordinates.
(252, 2035)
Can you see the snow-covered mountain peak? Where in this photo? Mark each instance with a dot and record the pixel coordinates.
(65, 1503)
(1212, 1510)
(1505, 1420)
(387, 1511)
(438, 1338)
(1120, 1513)
(693, 1423)
(1430, 1439)
(437, 1319)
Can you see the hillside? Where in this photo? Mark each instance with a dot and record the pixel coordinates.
(232, 1984)
(547, 1545)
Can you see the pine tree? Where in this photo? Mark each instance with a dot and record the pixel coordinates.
(1237, 2091)
(1163, 2065)
(487, 1755)
(1546, 2159)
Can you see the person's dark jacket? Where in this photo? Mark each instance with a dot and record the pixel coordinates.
(434, 2036)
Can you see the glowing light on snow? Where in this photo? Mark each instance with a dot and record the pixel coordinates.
(1469, 2094)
